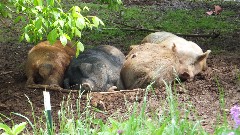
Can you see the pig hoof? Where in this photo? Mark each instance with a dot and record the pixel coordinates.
(111, 89)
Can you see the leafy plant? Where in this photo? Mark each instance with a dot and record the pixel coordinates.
(48, 19)
(3, 11)
(15, 130)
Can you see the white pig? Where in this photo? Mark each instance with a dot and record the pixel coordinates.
(187, 50)
(157, 62)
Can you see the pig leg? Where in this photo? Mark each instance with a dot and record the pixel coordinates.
(66, 83)
(30, 76)
(120, 85)
(112, 88)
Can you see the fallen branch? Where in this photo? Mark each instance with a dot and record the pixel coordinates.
(112, 92)
(210, 35)
(59, 89)
(52, 88)
(8, 72)
(132, 28)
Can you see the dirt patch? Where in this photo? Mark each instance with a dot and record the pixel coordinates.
(202, 92)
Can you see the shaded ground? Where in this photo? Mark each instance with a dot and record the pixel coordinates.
(203, 92)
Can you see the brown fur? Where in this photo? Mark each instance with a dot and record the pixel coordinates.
(47, 63)
(150, 62)
(147, 63)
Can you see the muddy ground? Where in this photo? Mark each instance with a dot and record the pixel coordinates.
(202, 92)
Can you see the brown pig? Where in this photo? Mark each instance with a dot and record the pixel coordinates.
(47, 63)
(184, 47)
(156, 62)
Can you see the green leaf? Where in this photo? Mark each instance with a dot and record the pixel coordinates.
(63, 40)
(23, 8)
(27, 37)
(80, 47)
(61, 23)
(80, 23)
(19, 128)
(52, 36)
(55, 23)
(76, 9)
(9, 15)
(17, 19)
(50, 2)
(35, 2)
(38, 23)
(21, 38)
(77, 33)
(85, 8)
(6, 128)
(97, 21)
(56, 15)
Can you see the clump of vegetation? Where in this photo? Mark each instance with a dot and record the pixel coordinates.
(15, 130)
(168, 121)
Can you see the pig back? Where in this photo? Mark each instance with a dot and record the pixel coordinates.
(48, 61)
(69, 48)
(147, 63)
(157, 37)
(188, 51)
(100, 66)
(46, 53)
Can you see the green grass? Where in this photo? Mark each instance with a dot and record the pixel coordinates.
(171, 119)
(123, 23)
(147, 17)
(167, 121)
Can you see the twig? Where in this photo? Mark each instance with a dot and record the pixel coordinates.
(132, 28)
(48, 87)
(4, 73)
(120, 91)
(210, 35)
(59, 89)
(4, 23)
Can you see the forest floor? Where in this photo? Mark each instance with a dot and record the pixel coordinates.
(203, 92)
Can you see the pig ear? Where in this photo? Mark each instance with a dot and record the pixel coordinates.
(133, 46)
(203, 56)
(85, 67)
(174, 48)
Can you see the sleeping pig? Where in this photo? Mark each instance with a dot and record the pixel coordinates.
(96, 69)
(184, 47)
(157, 62)
(47, 63)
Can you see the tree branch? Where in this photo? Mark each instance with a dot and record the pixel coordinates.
(132, 28)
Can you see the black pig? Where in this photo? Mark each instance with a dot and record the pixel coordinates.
(96, 69)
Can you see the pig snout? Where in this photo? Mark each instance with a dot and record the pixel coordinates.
(87, 85)
(186, 74)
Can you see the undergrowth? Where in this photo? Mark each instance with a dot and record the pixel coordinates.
(172, 118)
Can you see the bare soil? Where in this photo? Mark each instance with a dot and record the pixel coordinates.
(203, 92)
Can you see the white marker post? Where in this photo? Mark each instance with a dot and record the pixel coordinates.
(47, 107)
